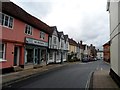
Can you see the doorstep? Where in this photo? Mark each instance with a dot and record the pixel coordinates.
(17, 68)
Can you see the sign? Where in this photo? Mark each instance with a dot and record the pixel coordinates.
(36, 42)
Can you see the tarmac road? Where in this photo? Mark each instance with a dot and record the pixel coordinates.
(71, 76)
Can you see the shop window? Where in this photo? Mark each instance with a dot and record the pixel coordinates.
(6, 20)
(50, 56)
(42, 35)
(2, 52)
(28, 30)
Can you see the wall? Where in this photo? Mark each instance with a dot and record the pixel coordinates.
(17, 33)
(72, 48)
(16, 36)
(114, 39)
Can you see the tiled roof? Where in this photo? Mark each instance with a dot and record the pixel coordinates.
(72, 42)
(51, 30)
(17, 12)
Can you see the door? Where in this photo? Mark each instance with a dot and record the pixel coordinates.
(39, 56)
(16, 56)
(36, 56)
(55, 57)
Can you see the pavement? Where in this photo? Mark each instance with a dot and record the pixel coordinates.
(102, 79)
(14, 77)
(99, 78)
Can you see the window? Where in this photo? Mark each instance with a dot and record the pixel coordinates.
(28, 30)
(42, 35)
(54, 40)
(6, 20)
(10, 22)
(50, 55)
(2, 51)
(62, 45)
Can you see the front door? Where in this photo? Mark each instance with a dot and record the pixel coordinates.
(16, 56)
(36, 56)
(55, 57)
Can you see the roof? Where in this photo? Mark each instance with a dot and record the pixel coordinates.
(66, 37)
(108, 43)
(84, 46)
(72, 42)
(52, 28)
(17, 12)
(60, 34)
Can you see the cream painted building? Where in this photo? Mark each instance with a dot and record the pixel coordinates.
(113, 6)
(72, 48)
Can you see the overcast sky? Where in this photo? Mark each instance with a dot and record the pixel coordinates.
(85, 20)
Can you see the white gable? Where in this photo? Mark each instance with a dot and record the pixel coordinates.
(62, 37)
(55, 33)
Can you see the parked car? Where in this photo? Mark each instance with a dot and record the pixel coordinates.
(85, 59)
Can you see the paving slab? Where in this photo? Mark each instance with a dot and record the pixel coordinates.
(102, 79)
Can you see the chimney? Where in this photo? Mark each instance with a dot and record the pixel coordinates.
(81, 42)
(91, 45)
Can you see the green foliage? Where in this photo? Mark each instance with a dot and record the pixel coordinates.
(72, 57)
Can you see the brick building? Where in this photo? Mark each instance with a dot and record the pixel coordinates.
(24, 38)
(106, 52)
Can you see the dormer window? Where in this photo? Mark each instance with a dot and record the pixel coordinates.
(28, 30)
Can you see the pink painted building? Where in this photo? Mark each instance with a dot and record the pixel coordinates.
(24, 38)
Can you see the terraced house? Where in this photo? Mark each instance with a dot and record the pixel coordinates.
(53, 53)
(24, 38)
(63, 47)
(72, 48)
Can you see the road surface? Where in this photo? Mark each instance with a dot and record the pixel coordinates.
(71, 76)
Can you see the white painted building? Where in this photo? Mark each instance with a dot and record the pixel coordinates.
(100, 55)
(63, 48)
(66, 48)
(78, 51)
(53, 46)
(113, 6)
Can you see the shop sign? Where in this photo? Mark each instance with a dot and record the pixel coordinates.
(36, 42)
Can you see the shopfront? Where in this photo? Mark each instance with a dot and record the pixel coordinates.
(35, 52)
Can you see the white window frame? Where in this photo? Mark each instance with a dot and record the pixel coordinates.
(42, 35)
(3, 56)
(28, 28)
(8, 22)
(54, 40)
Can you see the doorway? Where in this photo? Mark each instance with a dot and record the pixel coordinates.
(55, 57)
(16, 55)
(29, 56)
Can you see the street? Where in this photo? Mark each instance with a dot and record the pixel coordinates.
(72, 76)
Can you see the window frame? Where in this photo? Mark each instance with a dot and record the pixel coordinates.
(30, 28)
(3, 52)
(54, 40)
(8, 21)
(42, 35)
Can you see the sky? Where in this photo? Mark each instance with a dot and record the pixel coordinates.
(85, 20)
